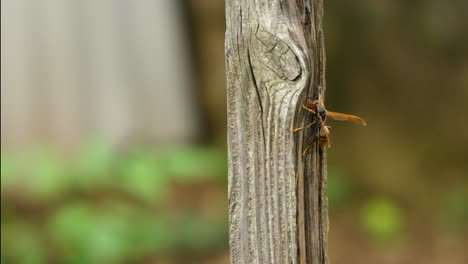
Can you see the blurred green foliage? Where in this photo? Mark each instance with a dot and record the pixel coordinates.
(49, 170)
(340, 188)
(102, 206)
(21, 240)
(106, 206)
(7, 169)
(93, 164)
(382, 219)
(454, 209)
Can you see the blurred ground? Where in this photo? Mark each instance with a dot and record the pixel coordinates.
(138, 184)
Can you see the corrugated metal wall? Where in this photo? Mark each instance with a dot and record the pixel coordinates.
(76, 69)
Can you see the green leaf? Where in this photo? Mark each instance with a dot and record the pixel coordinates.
(142, 175)
(71, 224)
(153, 234)
(47, 173)
(381, 218)
(8, 170)
(90, 236)
(94, 163)
(192, 163)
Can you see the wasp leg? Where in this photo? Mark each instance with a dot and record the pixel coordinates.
(298, 129)
(304, 152)
(301, 128)
(308, 109)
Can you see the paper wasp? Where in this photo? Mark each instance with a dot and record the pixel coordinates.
(317, 108)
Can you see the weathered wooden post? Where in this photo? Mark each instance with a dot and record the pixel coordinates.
(277, 196)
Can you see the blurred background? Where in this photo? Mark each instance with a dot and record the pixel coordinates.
(113, 131)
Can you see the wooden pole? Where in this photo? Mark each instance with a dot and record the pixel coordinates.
(278, 207)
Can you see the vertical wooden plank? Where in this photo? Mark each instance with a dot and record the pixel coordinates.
(277, 196)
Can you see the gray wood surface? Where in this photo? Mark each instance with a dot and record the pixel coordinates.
(277, 196)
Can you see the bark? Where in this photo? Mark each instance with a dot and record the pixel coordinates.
(277, 196)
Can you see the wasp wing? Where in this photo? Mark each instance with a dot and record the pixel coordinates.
(346, 117)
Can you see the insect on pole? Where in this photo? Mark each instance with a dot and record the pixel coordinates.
(278, 207)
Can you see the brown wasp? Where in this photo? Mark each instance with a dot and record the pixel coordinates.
(317, 108)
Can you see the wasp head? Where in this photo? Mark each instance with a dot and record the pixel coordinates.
(320, 109)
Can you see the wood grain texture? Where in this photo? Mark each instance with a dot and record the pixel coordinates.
(277, 197)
